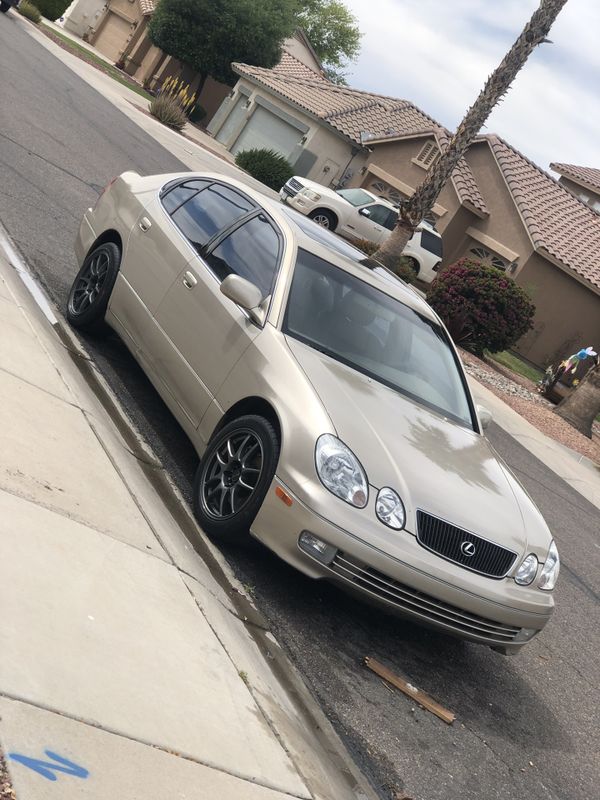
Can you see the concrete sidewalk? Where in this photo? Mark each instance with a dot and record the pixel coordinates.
(129, 666)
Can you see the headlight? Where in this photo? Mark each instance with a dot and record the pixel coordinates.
(551, 569)
(311, 195)
(390, 509)
(340, 471)
(527, 570)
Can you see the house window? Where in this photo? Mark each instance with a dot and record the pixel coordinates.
(428, 155)
(386, 192)
(488, 258)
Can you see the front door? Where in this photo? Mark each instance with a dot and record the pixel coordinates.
(208, 333)
(377, 224)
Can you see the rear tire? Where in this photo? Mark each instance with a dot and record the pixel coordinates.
(324, 218)
(92, 287)
(4, 7)
(234, 476)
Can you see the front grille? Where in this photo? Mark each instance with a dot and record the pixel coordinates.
(292, 187)
(418, 603)
(447, 540)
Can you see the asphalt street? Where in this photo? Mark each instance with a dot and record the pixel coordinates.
(526, 726)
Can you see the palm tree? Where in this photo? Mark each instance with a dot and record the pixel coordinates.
(582, 406)
(414, 209)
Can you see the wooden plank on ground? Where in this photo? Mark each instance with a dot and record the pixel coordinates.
(411, 691)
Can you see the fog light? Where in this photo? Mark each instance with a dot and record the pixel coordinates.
(316, 547)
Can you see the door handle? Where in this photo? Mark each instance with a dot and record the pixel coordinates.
(189, 280)
(145, 224)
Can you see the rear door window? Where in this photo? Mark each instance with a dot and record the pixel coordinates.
(431, 242)
(176, 196)
(251, 251)
(209, 211)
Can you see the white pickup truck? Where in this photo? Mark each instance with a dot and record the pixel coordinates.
(359, 214)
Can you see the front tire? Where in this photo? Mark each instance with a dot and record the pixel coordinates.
(324, 218)
(92, 287)
(234, 476)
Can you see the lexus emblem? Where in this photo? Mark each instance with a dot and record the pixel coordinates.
(467, 549)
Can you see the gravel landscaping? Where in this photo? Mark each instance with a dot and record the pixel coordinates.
(6, 790)
(522, 396)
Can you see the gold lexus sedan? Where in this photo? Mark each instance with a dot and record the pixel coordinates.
(328, 406)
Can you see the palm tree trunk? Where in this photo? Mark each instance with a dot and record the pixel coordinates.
(582, 406)
(415, 208)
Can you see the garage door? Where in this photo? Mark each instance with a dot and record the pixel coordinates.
(264, 129)
(113, 36)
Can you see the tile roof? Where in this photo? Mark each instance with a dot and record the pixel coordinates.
(292, 67)
(587, 175)
(146, 6)
(352, 111)
(557, 221)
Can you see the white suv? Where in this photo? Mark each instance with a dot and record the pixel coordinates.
(359, 214)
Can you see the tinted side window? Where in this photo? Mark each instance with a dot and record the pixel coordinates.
(208, 212)
(391, 221)
(252, 251)
(432, 243)
(179, 194)
(379, 214)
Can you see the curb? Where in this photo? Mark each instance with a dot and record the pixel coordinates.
(254, 622)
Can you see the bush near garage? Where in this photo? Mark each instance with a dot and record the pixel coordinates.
(27, 9)
(482, 307)
(52, 9)
(267, 166)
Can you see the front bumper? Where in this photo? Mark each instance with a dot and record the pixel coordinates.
(419, 585)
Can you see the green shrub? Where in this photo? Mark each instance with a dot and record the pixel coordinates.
(404, 269)
(197, 113)
(167, 110)
(481, 306)
(27, 9)
(52, 9)
(266, 166)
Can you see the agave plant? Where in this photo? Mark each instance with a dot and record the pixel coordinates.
(166, 109)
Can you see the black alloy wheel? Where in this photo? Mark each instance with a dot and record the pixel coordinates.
(234, 476)
(91, 289)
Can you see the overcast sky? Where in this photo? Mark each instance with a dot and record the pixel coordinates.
(438, 53)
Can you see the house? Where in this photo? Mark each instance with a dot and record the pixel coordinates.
(119, 30)
(498, 206)
(583, 182)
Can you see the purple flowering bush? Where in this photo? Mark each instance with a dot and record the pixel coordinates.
(481, 306)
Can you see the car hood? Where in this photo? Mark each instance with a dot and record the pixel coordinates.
(324, 191)
(434, 464)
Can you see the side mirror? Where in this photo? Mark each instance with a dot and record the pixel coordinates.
(485, 416)
(364, 212)
(245, 294)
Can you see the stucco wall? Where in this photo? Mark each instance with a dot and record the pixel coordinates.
(395, 158)
(504, 223)
(567, 316)
(82, 16)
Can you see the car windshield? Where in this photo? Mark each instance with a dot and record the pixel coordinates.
(355, 196)
(351, 321)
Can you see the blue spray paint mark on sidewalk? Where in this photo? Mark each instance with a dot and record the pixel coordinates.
(47, 769)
